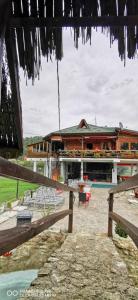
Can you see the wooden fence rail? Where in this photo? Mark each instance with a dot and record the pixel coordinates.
(11, 238)
(128, 227)
(129, 184)
(8, 169)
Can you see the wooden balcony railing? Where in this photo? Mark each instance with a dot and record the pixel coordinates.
(35, 154)
(41, 154)
(128, 227)
(132, 154)
(11, 238)
(99, 154)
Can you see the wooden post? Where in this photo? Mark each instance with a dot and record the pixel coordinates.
(70, 224)
(110, 221)
(17, 190)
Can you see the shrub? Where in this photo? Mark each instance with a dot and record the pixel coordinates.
(60, 179)
(120, 231)
(9, 205)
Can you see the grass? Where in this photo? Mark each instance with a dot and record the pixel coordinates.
(8, 188)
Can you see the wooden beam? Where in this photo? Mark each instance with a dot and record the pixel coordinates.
(129, 228)
(15, 171)
(12, 238)
(129, 184)
(10, 41)
(103, 21)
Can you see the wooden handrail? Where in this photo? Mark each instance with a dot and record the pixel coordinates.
(129, 184)
(129, 228)
(8, 169)
(12, 238)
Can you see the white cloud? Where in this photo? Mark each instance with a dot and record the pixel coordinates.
(93, 81)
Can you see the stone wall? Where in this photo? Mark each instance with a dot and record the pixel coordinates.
(32, 254)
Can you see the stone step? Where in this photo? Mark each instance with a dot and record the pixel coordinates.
(85, 267)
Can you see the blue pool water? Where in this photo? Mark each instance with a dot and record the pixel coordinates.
(12, 284)
(105, 185)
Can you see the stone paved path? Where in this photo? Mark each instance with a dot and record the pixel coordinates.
(94, 218)
(85, 267)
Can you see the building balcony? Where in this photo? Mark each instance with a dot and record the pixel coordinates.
(124, 154)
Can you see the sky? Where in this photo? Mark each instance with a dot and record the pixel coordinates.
(94, 85)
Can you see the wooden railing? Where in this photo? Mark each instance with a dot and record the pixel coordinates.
(41, 154)
(128, 227)
(11, 238)
(128, 154)
(36, 154)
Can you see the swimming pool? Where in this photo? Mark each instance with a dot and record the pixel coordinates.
(12, 284)
(105, 185)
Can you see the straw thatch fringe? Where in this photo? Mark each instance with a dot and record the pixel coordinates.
(34, 42)
(73, 8)
(8, 134)
(31, 43)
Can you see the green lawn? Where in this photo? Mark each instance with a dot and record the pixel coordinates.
(8, 189)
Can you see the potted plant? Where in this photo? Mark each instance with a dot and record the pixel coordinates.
(96, 154)
(136, 154)
(61, 179)
(128, 154)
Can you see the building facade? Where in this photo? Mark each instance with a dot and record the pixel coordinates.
(88, 152)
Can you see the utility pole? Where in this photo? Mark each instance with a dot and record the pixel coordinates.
(95, 121)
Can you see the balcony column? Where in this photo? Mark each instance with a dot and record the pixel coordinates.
(114, 173)
(62, 170)
(45, 168)
(50, 168)
(34, 166)
(81, 170)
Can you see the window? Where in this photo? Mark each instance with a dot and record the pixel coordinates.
(41, 147)
(89, 146)
(125, 146)
(134, 146)
(34, 149)
(107, 146)
(56, 146)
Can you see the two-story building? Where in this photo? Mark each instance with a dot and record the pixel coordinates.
(87, 151)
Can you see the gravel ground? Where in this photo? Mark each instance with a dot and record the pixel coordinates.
(77, 270)
(94, 217)
(86, 267)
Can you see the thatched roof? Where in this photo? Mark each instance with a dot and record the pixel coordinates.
(33, 42)
(33, 28)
